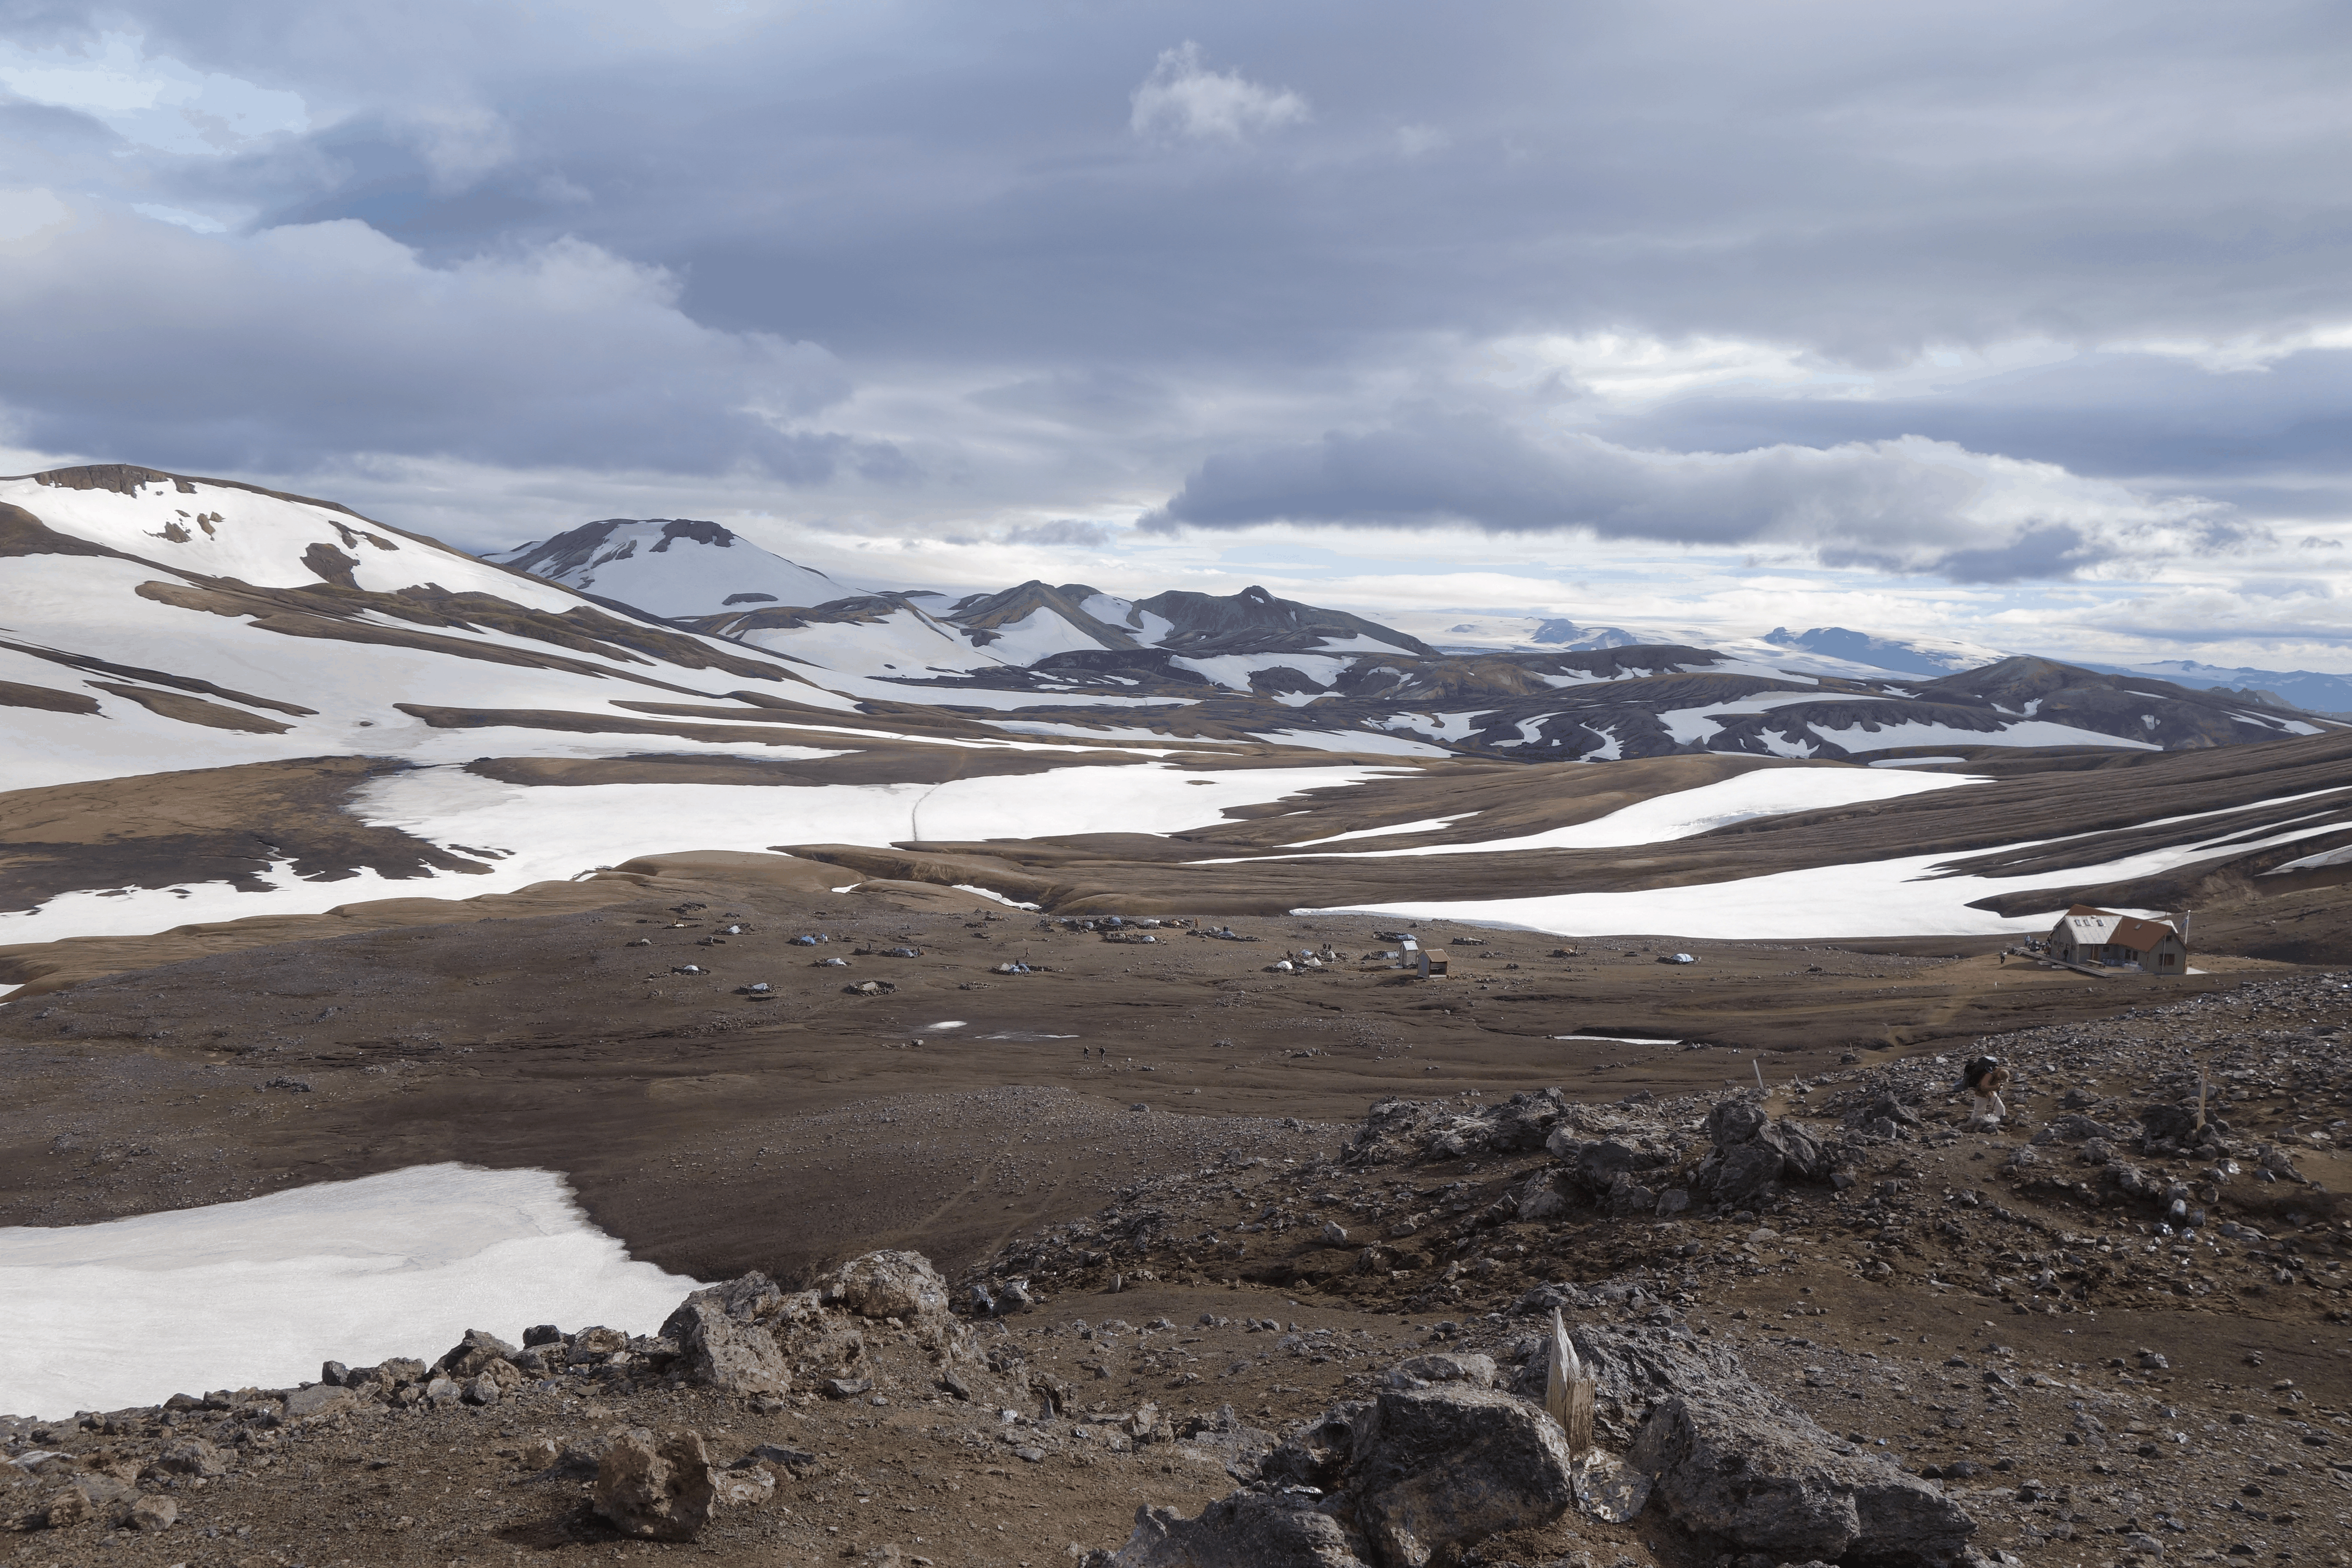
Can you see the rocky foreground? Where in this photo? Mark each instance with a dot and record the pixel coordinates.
(1834, 1324)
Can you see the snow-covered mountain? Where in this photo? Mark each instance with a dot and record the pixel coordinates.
(1583, 638)
(154, 619)
(229, 690)
(2308, 689)
(1041, 638)
(150, 615)
(1527, 688)
(671, 567)
(1905, 655)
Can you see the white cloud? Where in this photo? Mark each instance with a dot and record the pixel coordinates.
(1182, 97)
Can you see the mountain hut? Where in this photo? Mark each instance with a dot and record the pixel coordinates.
(2088, 936)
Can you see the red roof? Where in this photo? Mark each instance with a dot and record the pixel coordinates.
(2129, 931)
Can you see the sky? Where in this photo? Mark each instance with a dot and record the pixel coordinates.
(2028, 325)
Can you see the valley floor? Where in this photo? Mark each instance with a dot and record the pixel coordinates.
(1979, 1302)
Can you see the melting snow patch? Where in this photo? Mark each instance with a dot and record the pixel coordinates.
(1355, 740)
(1622, 1039)
(1766, 792)
(1428, 825)
(1915, 895)
(985, 892)
(130, 1312)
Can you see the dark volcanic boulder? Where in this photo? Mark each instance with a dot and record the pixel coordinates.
(472, 1355)
(1246, 1530)
(1596, 1164)
(1732, 1460)
(2161, 1126)
(1407, 1477)
(1525, 1120)
(1741, 1466)
(1753, 1154)
(1449, 1465)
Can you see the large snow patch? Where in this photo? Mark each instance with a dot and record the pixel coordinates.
(131, 1312)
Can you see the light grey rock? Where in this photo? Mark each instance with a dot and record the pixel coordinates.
(1445, 1366)
(888, 1284)
(596, 1345)
(192, 1457)
(746, 1299)
(656, 1485)
(746, 1486)
(1541, 1199)
(320, 1399)
(727, 1353)
(481, 1389)
(1734, 1463)
(153, 1512)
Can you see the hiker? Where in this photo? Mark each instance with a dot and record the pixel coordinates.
(1985, 1078)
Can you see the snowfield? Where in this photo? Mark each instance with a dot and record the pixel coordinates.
(260, 1292)
(562, 832)
(559, 831)
(1766, 792)
(1910, 896)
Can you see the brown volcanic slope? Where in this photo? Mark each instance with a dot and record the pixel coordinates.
(2101, 810)
(2079, 810)
(555, 1040)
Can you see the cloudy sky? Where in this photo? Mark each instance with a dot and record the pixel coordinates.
(2025, 324)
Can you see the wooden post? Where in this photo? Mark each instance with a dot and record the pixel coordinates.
(1568, 1394)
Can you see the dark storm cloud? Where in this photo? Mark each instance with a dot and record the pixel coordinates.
(331, 341)
(2122, 414)
(1905, 505)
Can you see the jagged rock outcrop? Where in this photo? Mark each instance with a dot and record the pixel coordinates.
(1735, 1466)
(1427, 1469)
(1404, 1130)
(1396, 1481)
(723, 1343)
(1730, 1459)
(1754, 1154)
(877, 1324)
